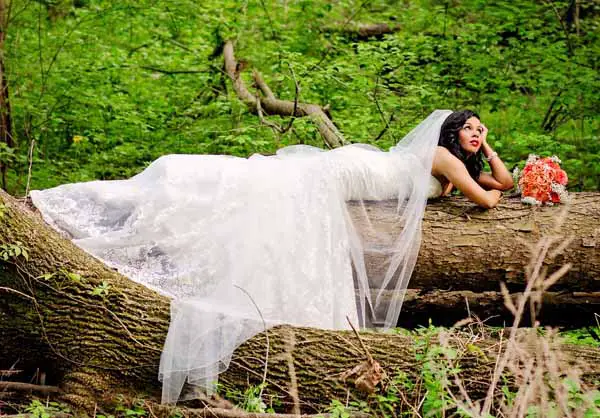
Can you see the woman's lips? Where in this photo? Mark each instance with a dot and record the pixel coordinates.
(474, 142)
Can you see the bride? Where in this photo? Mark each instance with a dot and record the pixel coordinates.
(241, 245)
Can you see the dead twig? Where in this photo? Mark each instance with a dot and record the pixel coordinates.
(30, 158)
(262, 385)
(367, 374)
(19, 386)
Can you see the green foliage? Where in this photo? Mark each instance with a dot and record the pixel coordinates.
(584, 336)
(107, 87)
(338, 410)
(13, 251)
(252, 401)
(37, 409)
(137, 409)
(102, 289)
(435, 372)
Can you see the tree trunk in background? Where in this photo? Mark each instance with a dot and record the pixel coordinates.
(94, 344)
(5, 114)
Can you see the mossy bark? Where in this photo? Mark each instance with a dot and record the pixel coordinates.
(58, 324)
(321, 356)
(95, 333)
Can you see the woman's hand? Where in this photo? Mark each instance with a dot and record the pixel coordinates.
(484, 133)
(494, 197)
(500, 178)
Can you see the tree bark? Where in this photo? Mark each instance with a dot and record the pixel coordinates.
(94, 345)
(321, 356)
(6, 136)
(445, 308)
(87, 343)
(465, 247)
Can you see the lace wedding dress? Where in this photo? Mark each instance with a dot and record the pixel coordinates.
(235, 242)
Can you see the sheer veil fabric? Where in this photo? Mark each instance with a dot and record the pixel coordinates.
(243, 244)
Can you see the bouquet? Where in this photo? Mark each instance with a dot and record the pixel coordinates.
(542, 181)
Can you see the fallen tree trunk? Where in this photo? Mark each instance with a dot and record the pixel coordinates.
(445, 308)
(465, 247)
(319, 357)
(95, 333)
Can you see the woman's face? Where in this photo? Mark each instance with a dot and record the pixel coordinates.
(470, 135)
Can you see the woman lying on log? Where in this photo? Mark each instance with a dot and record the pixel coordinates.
(244, 244)
(458, 160)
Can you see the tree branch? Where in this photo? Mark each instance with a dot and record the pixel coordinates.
(28, 387)
(273, 106)
(171, 72)
(262, 85)
(363, 31)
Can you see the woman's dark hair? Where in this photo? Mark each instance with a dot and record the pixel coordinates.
(449, 139)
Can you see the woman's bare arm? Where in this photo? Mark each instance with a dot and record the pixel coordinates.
(500, 178)
(447, 165)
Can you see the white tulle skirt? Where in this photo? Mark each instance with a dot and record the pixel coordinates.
(243, 244)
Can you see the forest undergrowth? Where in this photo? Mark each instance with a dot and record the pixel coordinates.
(532, 377)
(98, 89)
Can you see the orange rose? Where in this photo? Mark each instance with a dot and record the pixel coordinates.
(560, 176)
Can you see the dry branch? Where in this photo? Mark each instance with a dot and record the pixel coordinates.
(28, 387)
(271, 105)
(363, 31)
(238, 413)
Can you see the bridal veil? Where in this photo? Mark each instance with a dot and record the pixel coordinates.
(241, 244)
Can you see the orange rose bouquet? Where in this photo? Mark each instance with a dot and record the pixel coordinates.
(542, 181)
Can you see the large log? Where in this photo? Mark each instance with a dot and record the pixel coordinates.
(94, 332)
(319, 357)
(446, 307)
(465, 247)
(467, 251)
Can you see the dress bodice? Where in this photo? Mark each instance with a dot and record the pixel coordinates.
(365, 172)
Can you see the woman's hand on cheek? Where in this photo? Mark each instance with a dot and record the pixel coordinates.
(484, 134)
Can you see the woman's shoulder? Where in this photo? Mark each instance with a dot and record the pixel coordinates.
(443, 152)
(444, 158)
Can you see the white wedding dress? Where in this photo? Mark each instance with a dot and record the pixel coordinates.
(235, 242)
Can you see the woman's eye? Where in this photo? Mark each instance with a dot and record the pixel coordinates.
(467, 127)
